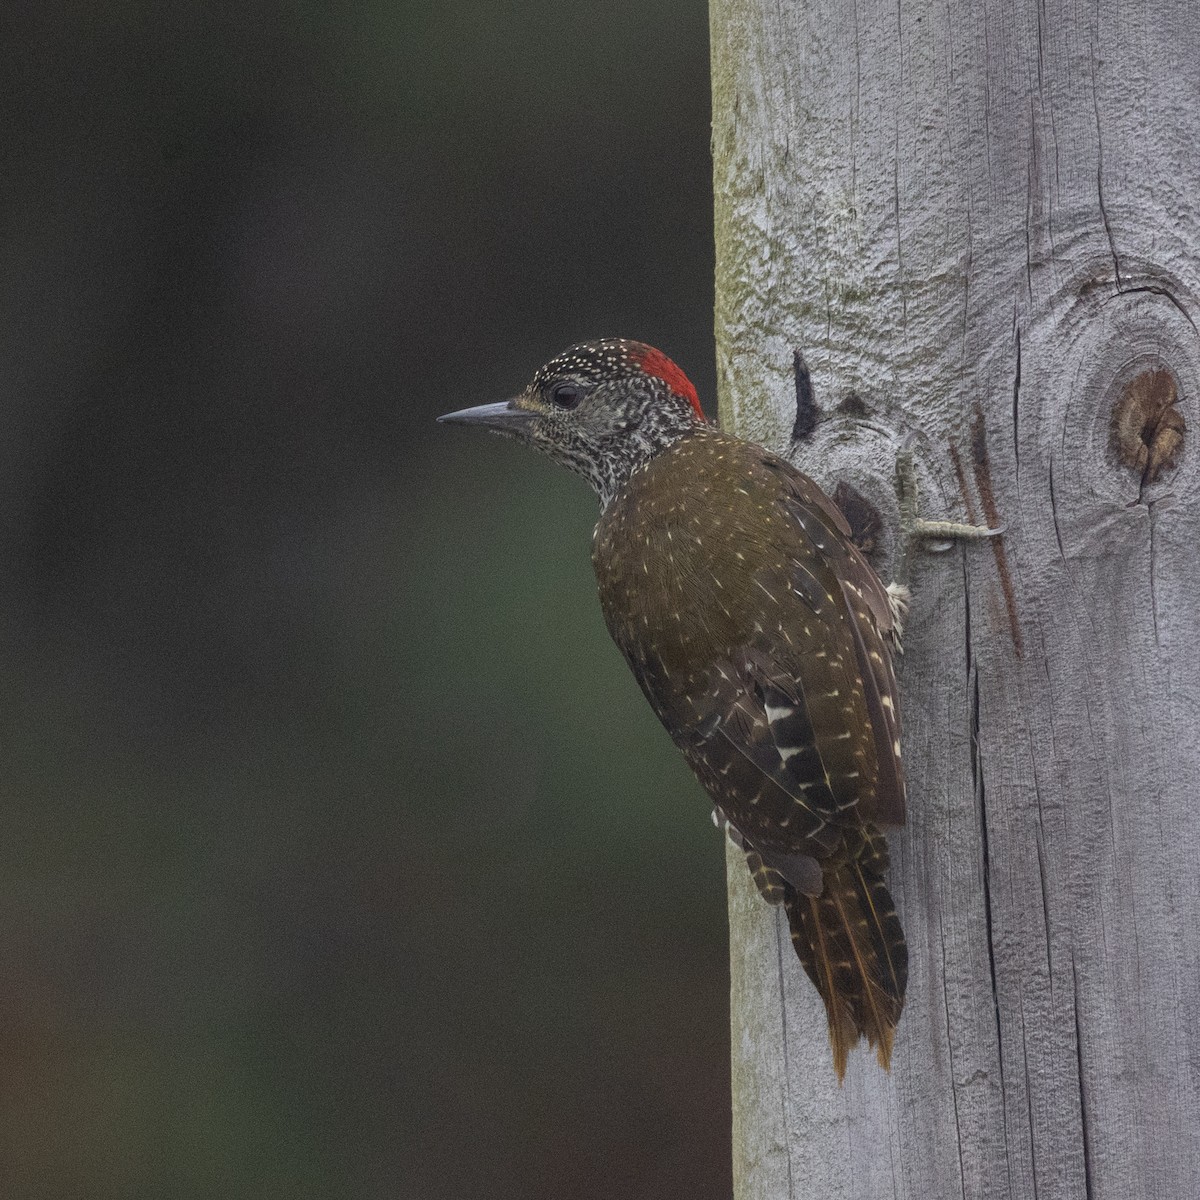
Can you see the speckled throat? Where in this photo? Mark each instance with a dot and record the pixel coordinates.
(622, 455)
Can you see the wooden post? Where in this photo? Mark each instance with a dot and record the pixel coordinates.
(979, 224)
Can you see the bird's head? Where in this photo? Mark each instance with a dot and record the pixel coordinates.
(601, 408)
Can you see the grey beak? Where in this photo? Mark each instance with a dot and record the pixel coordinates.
(502, 417)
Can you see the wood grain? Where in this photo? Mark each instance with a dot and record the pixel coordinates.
(983, 221)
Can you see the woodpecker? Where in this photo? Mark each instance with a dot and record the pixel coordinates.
(763, 640)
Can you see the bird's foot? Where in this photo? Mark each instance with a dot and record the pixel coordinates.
(938, 535)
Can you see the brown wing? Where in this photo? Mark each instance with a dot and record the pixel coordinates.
(873, 626)
(741, 624)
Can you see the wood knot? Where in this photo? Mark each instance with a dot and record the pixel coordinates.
(1147, 426)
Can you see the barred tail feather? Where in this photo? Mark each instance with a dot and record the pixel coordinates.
(850, 942)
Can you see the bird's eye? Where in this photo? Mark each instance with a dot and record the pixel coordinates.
(566, 395)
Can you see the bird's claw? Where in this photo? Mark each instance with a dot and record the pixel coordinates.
(939, 536)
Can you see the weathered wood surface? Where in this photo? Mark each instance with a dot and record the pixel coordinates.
(981, 221)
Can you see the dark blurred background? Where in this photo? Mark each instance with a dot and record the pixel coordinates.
(341, 856)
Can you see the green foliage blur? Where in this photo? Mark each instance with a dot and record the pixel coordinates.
(342, 857)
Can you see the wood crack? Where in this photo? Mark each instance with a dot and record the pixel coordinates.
(1016, 411)
(1166, 294)
(1153, 593)
(981, 797)
(958, 1135)
(1033, 1157)
(1054, 517)
(1086, 1139)
(1112, 243)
